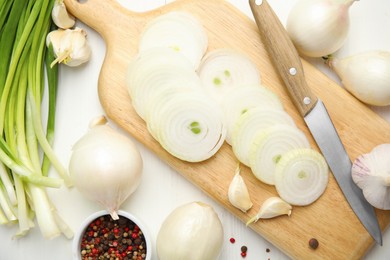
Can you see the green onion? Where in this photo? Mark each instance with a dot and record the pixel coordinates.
(52, 77)
(25, 149)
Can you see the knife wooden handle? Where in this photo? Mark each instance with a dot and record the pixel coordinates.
(284, 55)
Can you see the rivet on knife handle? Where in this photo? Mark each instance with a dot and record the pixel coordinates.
(286, 58)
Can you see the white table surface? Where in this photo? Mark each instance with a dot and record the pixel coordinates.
(162, 189)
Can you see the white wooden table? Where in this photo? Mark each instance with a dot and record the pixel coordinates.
(163, 189)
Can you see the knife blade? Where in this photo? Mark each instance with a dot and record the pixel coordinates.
(288, 64)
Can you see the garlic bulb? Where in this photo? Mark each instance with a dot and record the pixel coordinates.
(192, 231)
(366, 75)
(238, 194)
(106, 166)
(371, 173)
(60, 15)
(70, 46)
(272, 207)
(319, 27)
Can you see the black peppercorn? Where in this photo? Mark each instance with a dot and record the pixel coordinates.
(313, 243)
(104, 239)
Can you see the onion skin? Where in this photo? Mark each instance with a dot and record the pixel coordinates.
(106, 167)
(192, 231)
(319, 27)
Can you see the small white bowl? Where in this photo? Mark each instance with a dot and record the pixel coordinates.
(79, 234)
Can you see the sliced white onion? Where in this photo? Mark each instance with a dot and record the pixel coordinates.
(301, 176)
(159, 101)
(250, 124)
(153, 59)
(189, 126)
(241, 98)
(179, 31)
(223, 69)
(270, 145)
(162, 81)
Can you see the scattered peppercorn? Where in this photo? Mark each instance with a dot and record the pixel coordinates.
(268, 250)
(232, 240)
(313, 243)
(106, 238)
(244, 250)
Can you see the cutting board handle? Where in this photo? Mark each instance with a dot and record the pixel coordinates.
(104, 16)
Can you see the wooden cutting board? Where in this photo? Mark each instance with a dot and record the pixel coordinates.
(330, 219)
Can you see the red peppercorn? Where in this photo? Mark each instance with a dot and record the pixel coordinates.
(243, 254)
(95, 251)
(232, 240)
(114, 239)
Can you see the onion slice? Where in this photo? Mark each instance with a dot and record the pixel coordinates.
(301, 176)
(179, 31)
(250, 124)
(153, 59)
(241, 98)
(269, 147)
(189, 126)
(223, 69)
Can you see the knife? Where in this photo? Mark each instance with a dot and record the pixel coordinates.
(287, 62)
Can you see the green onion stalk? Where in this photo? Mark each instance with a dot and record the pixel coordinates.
(26, 153)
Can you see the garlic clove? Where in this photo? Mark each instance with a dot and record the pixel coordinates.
(371, 173)
(60, 15)
(272, 207)
(76, 47)
(70, 46)
(238, 194)
(54, 38)
(81, 51)
(366, 75)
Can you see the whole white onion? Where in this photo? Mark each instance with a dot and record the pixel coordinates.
(106, 166)
(192, 231)
(366, 75)
(319, 27)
